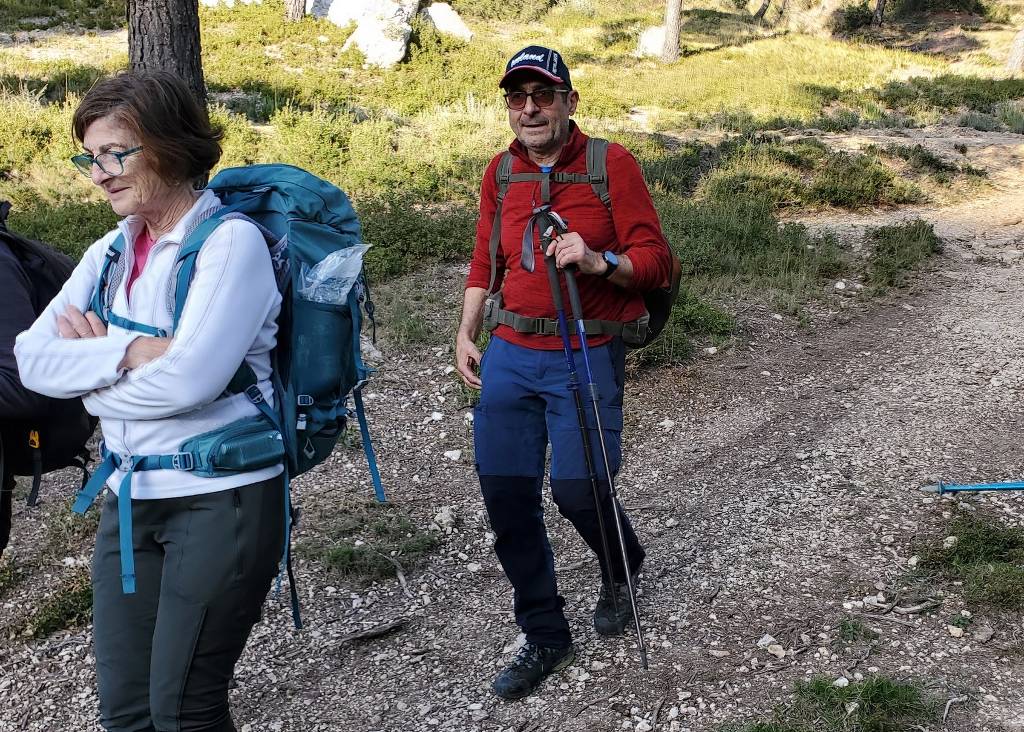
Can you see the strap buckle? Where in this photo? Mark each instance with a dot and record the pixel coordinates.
(304, 400)
(254, 394)
(183, 461)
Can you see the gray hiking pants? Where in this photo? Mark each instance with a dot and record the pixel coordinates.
(165, 655)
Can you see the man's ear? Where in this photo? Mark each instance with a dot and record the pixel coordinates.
(574, 99)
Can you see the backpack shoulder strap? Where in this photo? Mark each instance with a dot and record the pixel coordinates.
(597, 169)
(189, 252)
(503, 175)
(100, 301)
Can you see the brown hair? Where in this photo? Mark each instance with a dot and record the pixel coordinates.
(175, 132)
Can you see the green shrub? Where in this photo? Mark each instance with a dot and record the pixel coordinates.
(949, 92)
(406, 233)
(902, 8)
(921, 159)
(852, 181)
(39, 14)
(33, 132)
(1011, 114)
(69, 606)
(503, 10)
(979, 121)
(691, 317)
(851, 631)
(987, 556)
(876, 704)
(71, 227)
(362, 539)
(316, 141)
(856, 16)
(894, 251)
(737, 247)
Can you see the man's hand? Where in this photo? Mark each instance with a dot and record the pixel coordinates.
(143, 350)
(73, 324)
(569, 249)
(467, 360)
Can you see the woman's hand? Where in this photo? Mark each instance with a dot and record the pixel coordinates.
(143, 350)
(73, 324)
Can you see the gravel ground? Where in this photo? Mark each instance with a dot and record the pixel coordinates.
(775, 484)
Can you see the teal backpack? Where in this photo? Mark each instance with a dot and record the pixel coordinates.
(317, 363)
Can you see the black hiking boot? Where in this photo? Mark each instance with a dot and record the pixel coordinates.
(606, 620)
(531, 664)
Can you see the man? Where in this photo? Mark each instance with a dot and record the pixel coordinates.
(619, 252)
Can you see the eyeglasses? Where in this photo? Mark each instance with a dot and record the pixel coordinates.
(111, 163)
(541, 97)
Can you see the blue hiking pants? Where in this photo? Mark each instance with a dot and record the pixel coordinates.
(525, 404)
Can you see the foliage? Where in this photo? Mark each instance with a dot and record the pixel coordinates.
(366, 540)
(39, 14)
(856, 16)
(876, 704)
(503, 10)
(68, 606)
(987, 557)
(903, 8)
(805, 173)
(894, 251)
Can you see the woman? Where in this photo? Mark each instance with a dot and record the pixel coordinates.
(205, 549)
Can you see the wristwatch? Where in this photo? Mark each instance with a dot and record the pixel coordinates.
(612, 261)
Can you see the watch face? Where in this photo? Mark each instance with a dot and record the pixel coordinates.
(611, 259)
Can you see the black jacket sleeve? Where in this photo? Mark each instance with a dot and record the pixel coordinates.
(16, 315)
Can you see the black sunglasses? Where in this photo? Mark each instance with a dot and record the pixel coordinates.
(541, 97)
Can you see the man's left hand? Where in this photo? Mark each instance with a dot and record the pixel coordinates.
(569, 249)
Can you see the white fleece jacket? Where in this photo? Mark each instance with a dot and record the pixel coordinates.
(230, 315)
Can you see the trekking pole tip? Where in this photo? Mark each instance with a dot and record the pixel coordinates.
(933, 488)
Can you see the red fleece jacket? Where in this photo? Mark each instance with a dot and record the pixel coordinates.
(631, 227)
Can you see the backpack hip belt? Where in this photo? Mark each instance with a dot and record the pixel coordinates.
(633, 332)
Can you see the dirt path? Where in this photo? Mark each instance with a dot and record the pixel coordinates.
(776, 486)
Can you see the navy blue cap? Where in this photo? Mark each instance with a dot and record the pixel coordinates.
(540, 60)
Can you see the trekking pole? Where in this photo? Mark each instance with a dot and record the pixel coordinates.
(574, 388)
(942, 487)
(581, 330)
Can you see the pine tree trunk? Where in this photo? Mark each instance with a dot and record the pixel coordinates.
(670, 49)
(1016, 61)
(762, 10)
(164, 35)
(879, 13)
(294, 9)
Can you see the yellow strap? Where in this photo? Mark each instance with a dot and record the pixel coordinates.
(33, 439)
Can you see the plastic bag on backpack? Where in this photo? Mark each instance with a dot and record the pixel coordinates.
(330, 279)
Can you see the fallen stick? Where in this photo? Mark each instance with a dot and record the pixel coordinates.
(887, 619)
(951, 702)
(398, 572)
(657, 711)
(600, 699)
(915, 609)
